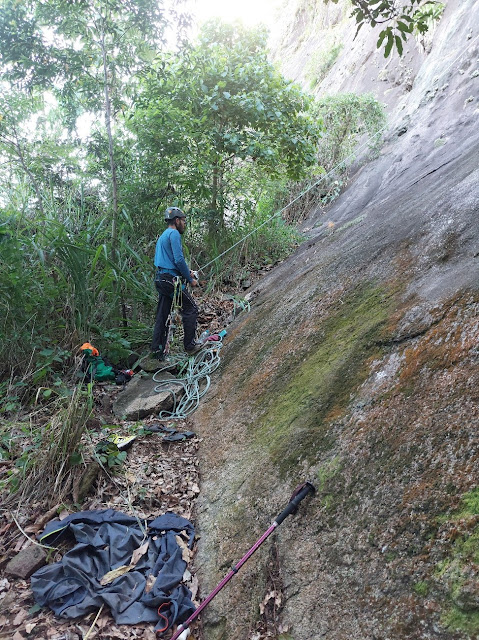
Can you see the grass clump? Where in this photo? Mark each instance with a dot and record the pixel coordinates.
(48, 453)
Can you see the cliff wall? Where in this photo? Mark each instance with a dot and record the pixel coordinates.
(358, 369)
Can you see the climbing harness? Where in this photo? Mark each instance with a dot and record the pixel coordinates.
(301, 492)
(195, 380)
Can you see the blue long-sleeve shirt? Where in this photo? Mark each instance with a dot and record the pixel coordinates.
(169, 254)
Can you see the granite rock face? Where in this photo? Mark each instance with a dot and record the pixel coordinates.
(358, 369)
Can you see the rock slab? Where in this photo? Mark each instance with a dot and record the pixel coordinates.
(139, 399)
(26, 562)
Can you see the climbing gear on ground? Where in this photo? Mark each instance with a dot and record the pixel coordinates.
(97, 368)
(174, 212)
(195, 381)
(169, 434)
(124, 376)
(90, 347)
(300, 493)
(122, 442)
(180, 435)
(93, 366)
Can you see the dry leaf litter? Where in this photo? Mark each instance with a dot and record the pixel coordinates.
(156, 476)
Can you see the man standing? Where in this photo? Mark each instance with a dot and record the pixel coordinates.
(170, 264)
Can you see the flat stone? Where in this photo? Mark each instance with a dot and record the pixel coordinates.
(150, 365)
(139, 398)
(26, 562)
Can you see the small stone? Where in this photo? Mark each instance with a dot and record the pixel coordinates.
(26, 562)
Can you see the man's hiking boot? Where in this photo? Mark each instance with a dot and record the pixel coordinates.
(197, 346)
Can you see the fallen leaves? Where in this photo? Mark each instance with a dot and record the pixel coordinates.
(156, 477)
(273, 597)
(138, 553)
(150, 583)
(186, 553)
(115, 573)
(120, 571)
(20, 617)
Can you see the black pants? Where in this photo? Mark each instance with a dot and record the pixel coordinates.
(189, 313)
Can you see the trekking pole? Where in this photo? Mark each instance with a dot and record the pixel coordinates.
(300, 493)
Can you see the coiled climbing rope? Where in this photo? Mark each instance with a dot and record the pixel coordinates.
(195, 381)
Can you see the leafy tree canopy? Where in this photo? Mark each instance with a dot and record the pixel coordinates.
(58, 45)
(402, 18)
(210, 109)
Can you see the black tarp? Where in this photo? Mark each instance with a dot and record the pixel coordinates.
(105, 540)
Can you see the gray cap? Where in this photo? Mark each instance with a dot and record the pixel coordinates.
(173, 212)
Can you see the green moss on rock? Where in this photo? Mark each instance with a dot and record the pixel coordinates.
(459, 571)
(296, 422)
(461, 621)
(421, 588)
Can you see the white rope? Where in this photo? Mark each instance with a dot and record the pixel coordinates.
(195, 382)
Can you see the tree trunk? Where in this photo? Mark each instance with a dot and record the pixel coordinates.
(114, 184)
(18, 150)
(216, 207)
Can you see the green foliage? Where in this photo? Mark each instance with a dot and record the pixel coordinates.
(114, 346)
(88, 54)
(57, 44)
(59, 290)
(214, 116)
(414, 16)
(109, 454)
(44, 455)
(240, 304)
(262, 238)
(215, 128)
(346, 118)
(427, 16)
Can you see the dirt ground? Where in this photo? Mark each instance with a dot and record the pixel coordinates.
(156, 477)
